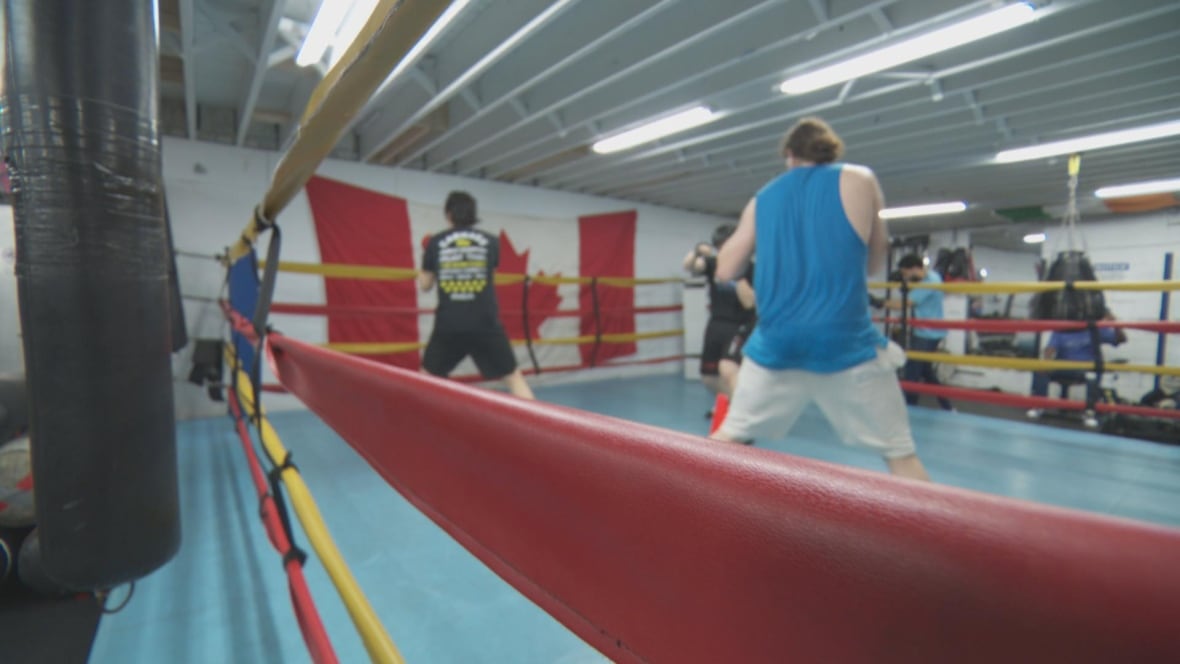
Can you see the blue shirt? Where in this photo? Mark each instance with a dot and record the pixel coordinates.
(928, 304)
(811, 272)
(1077, 345)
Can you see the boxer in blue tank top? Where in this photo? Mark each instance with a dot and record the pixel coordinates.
(817, 233)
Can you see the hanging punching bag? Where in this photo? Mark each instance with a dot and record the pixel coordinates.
(1071, 267)
(82, 143)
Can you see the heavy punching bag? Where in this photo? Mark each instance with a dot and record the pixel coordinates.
(1070, 266)
(81, 138)
(14, 407)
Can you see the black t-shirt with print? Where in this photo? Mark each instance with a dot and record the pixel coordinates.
(464, 261)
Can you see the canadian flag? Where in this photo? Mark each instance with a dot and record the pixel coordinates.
(357, 226)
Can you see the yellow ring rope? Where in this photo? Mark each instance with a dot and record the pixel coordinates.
(390, 348)
(381, 273)
(1038, 365)
(377, 642)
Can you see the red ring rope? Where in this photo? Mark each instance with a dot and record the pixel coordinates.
(1022, 401)
(658, 546)
(308, 618)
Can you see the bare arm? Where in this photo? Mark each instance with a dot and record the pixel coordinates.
(745, 293)
(878, 245)
(425, 281)
(860, 193)
(735, 254)
(879, 235)
(895, 305)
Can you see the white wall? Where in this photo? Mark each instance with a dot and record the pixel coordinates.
(212, 190)
(1006, 265)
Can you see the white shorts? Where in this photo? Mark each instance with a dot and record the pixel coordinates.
(864, 404)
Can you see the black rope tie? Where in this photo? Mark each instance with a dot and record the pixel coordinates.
(905, 314)
(266, 288)
(1099, 363)
(276, 489)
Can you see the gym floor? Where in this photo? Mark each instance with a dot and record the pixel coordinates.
(224, 598)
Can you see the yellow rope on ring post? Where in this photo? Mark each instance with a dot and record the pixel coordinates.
(377, 642)
(391, 31)
(1020, 364)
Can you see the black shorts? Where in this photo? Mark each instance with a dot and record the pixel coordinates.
(719, 334)
(733, 352)
(490, 349)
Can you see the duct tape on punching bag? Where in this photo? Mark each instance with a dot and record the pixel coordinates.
(81, 137)
(1069, 304)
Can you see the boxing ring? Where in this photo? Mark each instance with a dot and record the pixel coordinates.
(646, 544)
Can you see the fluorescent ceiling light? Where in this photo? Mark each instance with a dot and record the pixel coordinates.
(323, 28)
(923, 210)
(912, 49)
(693, 117)
(358, 16)
(1095, 142)
(1034, 238)
(1139, 189)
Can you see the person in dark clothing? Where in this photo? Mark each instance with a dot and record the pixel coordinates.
(1075, 346)
(731, 309)
(462, 261)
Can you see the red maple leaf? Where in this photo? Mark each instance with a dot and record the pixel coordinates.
(543, 299)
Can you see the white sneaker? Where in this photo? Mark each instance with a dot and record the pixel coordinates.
(1090, 420)
(1035, 413)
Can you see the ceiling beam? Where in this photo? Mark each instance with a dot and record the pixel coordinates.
(776, 119)
(899, 164)
(224, 28)
(820, 9)
(504, 159)
(611, 78)
(188, 54)
(590, 48)
(910, 115)
(261, 66)
(423, 80)
(657, 91)
(467, 77)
